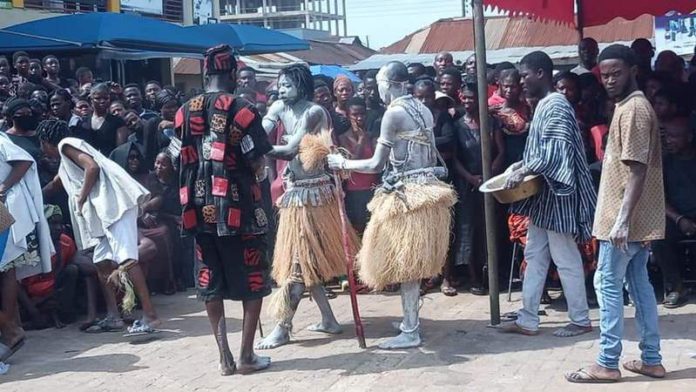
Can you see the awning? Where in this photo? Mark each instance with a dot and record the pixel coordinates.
(118, 31)
(248, 39)
(333, 71)
(11, 42)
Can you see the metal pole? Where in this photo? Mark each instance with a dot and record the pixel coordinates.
(581, 19)
(345, 20)
(489, 203)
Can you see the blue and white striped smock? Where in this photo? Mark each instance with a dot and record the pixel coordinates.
(555, 149)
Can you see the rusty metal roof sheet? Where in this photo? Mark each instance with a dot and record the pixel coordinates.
(456, 34)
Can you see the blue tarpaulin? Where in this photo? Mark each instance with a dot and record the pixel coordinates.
(333, 71)
(248, 39)
(11, 42)
(126, 31)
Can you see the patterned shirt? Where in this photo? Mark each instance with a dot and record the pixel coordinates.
(555, 150)
(633, 136)
(221, 137)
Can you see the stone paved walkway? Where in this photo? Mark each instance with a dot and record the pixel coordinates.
(460, 353)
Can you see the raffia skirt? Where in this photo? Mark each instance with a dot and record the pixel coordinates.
(310, 235)
(408, 235)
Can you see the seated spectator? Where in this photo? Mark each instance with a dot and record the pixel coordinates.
(134, 100)
(22, 123)
(117, 108)
(168, 104)
(160, 273)
(49, 299)
(101, 129)
(679, 168)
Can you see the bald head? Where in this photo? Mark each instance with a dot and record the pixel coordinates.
(679, 135)
(588, 50)
(394, 71)
(391, 81)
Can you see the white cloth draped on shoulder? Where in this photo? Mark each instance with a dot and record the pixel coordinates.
(25, 203)
(114, 193)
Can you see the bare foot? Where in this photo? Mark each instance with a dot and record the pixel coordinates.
(402, 340)
(594, 374)
(227, 366)
(638, 367)
(277, 338)
(571, 330)
(256, 364)
(330, 327)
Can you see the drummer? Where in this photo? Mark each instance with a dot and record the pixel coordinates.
(561, 213)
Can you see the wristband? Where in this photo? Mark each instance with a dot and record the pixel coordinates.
(679, 218)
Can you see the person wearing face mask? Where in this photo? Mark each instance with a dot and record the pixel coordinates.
(309, 248)
(22, 123)
(407, 237)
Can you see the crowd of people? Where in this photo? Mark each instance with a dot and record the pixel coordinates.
(80, 154)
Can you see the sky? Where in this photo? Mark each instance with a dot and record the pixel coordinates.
(383, 22)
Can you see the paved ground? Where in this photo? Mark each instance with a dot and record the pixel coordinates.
(460, 353)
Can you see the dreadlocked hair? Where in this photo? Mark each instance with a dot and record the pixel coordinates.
(52, 131)
(301, 77)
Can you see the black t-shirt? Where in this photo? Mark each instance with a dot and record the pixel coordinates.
(374, 121)
(680, 184)
(104, 138)
(30, 144)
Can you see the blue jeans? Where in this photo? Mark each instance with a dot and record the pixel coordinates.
(616, 266)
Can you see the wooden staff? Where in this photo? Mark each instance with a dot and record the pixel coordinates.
(350, 258)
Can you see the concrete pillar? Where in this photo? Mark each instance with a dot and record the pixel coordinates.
(306, 8)
(216, 9)
(188, 12)
(111, 5)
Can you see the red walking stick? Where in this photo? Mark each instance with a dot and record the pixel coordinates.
(350, 258)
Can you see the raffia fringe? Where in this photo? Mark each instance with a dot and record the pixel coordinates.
(313, 237)
(408, 234)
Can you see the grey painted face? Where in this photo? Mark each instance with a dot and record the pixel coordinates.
(287, 91)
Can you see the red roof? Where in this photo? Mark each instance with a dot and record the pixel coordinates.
(457, 34)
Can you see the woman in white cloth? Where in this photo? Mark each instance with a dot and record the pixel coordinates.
(104, 207)
(29, 248)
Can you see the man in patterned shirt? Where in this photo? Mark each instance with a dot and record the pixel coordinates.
(222, 149)
(560, 215)
(630, 214)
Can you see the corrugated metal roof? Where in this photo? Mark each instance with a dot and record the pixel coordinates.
(321, 52)
(456, 34)
(560, 54)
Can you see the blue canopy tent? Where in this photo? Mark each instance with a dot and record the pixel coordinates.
(248, 39)
(108, 30)
(12, 41)
(333, 71)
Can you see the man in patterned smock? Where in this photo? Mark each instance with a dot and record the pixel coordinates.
(222, 148)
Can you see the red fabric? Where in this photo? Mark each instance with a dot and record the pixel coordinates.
(42, 285)
(597, 133)
(595, 12)
(495, 100)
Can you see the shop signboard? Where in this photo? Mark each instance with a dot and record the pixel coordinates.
(144, 6)
(676, 33)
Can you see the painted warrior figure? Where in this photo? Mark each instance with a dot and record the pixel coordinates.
(407, 236)
(308, 249)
